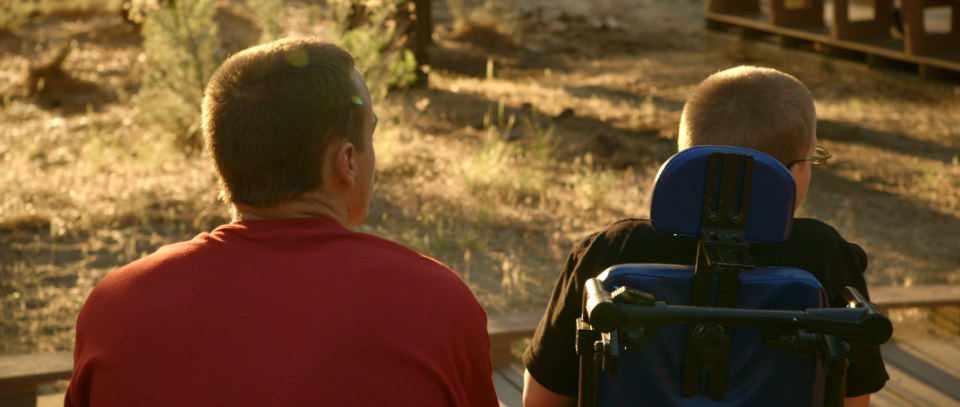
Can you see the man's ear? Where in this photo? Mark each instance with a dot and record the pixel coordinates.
(345, 165)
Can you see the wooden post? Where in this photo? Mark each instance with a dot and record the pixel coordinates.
(916, 38)
(23, 396)
(734, 6)
(20, 374)
(845, 29)
(811, 15)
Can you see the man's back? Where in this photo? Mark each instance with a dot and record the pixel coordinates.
(292, 312)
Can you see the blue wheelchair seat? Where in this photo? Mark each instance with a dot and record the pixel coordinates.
(757, 373)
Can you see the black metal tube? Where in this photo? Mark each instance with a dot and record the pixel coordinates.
(661, 314)
(865, 321)
(588, 379)
(875, 326)
(600, 310)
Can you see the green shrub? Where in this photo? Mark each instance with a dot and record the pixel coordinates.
(14, 13)
(268, 15)
(369, 29)
(182, 50)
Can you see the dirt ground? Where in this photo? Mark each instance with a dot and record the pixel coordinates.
(893, 187)
(86, 189)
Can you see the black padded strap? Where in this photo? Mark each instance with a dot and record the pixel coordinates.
(723, 247)
(702, 286)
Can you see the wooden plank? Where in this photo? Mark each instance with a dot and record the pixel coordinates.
(508, 394)
(941, 353)
(885, 398)
(30, 369)
(928, 296)
(51, 400)
(734, 6)
(944, 321)
(887, 47)
(782, 15)
(909, 391)
(506, 328)
(918, 40)
(514, 324)
(514, 374)
(879, 26)
(940, 385)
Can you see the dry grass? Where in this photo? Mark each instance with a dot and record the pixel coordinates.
(475, 171)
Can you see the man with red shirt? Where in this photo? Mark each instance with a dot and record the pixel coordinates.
(285, 305)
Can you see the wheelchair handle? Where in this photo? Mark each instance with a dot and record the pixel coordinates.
(870, 324)
(599, 309)
(863, 321)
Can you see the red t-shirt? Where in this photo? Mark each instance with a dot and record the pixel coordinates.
(300, 312)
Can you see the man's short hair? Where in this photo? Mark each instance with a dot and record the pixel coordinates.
(270, 112)
(751, 107)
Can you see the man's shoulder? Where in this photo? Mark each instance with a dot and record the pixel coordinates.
(153, 262)
(391, 251)
(412, 264)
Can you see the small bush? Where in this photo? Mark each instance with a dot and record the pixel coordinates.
(487, 23)
(14, 13)
(268, 12)
(372, 30)
(181, 51)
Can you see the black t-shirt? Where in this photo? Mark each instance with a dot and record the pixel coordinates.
(813, 246)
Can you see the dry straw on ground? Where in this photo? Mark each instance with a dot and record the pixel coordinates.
(524, 143)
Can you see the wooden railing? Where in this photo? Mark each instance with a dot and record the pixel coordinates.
(807, 24)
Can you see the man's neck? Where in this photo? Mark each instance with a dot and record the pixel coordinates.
(309, 204)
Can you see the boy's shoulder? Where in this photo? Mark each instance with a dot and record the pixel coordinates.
(814, 228)
(820, 237)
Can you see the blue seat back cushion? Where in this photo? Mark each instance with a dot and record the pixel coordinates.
(758, 375)
(677, 203)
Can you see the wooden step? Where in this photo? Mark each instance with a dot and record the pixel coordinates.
(20, 375)
(924, 296)
(504, 329)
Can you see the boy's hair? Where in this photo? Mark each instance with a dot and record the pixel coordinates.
(751, 107)
(269, 113)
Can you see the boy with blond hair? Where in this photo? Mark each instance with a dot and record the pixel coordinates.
(750, 107)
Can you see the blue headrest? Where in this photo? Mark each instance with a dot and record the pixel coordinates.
(677, 204)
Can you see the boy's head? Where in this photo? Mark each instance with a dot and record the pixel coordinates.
(757, 108)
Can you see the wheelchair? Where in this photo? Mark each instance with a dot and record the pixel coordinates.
(722, 332)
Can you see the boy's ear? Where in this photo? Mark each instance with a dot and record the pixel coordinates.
(345, 165)
(794, 169)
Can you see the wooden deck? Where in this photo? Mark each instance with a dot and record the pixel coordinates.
(924, 372)
(930, 37)
(923, 360)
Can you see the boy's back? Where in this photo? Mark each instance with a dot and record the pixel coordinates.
(755, 108)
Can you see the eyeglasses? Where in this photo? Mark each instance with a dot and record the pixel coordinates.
(820, 157)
